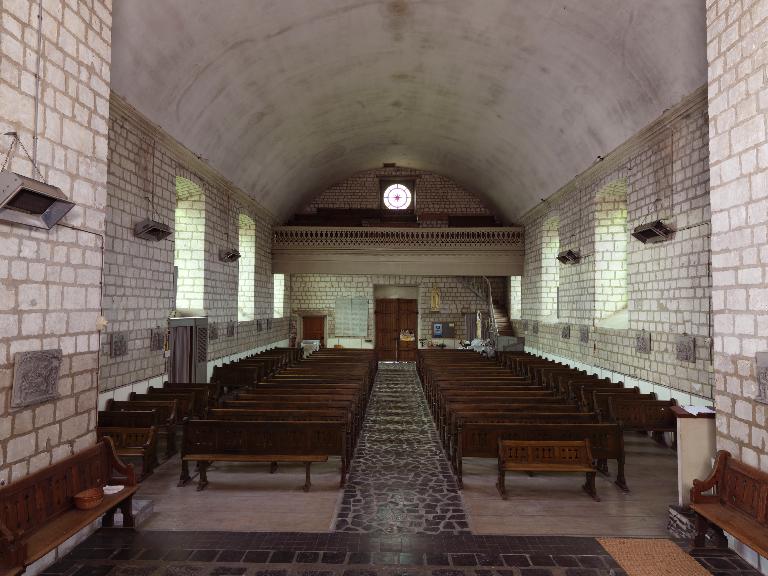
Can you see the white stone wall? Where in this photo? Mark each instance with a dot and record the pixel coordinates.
(668, 285)
(49, 280)
(435, 196)
(316, 294)
(138, 275)
(738, 108)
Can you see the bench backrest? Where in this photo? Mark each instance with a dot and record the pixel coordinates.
(745, 489)
(127, 419)
(167, 410)
(262, 438)
(482, 439)
(551, 452)
(642, 414)
(127, 437)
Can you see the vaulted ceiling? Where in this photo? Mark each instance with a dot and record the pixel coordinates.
(512, 98)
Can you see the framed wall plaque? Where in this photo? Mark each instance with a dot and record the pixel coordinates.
(643, 342)
(584, 334)
(685, 348)
(565, 332)
(35, 377)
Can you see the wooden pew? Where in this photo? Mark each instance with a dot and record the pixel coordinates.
(206, 441)
(654, 416)
(546, 456)
(738, 505)
(185, 401)
(37, 513)
(134, 443)
(166, 411)
(480, 440)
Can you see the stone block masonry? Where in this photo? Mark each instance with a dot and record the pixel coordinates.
(50, 293)
(316, 294)
(435, 197)
(621, 286)
(145, 165)
(737, 51)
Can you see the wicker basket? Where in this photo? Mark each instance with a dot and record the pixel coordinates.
(88, 499)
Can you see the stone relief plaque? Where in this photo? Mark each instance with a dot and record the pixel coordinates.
(258, 326)
(762, 377)
(269, 323)
(643, 342)
(535, 327)
(584, 334)
(156, 339)
(35, 377)
(213, 331)
(685, 348)
(118, 345)
(565, 332)
(525, 325)
(231, 329)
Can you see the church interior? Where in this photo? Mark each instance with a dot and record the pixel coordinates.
(383, 287)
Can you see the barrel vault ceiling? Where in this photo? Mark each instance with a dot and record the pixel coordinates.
(512, 98)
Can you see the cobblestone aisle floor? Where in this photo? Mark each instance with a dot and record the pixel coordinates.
(400, 481)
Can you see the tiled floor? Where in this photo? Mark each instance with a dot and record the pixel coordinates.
(151, 553)
(400, 480)
(401, 513)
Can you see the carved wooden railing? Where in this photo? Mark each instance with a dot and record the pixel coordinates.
(299, 237)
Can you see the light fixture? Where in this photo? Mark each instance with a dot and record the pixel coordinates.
(569, 257)
(31, 202)
(152, 230)
(652, 232)
(229, 255)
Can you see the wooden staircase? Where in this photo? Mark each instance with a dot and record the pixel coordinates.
(502, 320)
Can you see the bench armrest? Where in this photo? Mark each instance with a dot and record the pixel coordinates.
(712, 481)
(150, 438)
(13, 551)
(118, 464)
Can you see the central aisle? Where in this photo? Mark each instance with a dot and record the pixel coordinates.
(400, 481)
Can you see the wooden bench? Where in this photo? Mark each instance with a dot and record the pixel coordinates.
(37, 513)
(738, 505)
(480, 440)
(206, 441)
(134, 443)
(546, 456)
(166, 417)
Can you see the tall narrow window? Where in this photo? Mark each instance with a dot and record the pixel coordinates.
(550, 269)
(189, 246)
(515, 297)
(246, 285)
(611, 237)
(278, 282)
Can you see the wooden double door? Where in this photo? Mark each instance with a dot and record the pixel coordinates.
(394, 317)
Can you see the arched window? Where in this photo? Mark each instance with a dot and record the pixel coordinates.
(611, 238)
(189, 246)
(246, 274)
(550, 270)
(278, 294)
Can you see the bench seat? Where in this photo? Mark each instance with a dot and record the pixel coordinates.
(61, 528)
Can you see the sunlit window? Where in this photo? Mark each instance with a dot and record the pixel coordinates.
(397, 197)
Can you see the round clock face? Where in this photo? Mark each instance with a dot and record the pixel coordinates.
(397, 197)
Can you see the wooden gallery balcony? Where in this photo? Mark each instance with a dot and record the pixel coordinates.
(494, 251)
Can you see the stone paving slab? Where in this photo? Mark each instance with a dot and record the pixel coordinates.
(400, 480)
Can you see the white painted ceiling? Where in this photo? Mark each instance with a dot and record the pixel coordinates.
(512, 98)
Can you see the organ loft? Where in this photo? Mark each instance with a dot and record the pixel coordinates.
(383, 287)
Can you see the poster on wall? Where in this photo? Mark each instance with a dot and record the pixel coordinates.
(351, 316)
